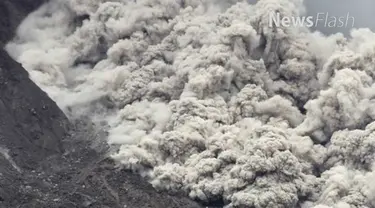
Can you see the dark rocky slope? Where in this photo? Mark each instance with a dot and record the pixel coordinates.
(44, 160)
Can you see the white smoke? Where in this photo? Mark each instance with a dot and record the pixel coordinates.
(204, 98)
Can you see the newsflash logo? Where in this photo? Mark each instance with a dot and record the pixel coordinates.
(320, 20)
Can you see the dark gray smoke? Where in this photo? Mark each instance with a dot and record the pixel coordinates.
(205, 98)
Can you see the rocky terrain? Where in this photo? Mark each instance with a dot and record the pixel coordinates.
(44, 160)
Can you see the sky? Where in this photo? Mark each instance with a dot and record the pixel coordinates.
(363, 12)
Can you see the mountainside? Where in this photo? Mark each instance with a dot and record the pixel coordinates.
(44, 160)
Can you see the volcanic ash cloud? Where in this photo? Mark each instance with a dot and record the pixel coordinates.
(205, 98)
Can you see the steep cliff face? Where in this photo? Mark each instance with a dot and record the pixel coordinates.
(30, 122)
(44, 160)
(31, 125)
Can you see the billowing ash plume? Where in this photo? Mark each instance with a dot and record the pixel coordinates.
(204, 98)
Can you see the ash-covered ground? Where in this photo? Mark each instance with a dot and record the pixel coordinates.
(205, 99)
